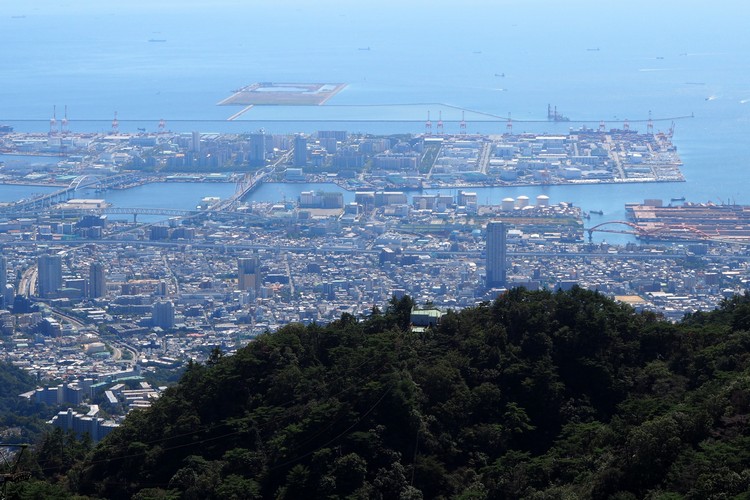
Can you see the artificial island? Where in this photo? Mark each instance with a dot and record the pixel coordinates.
(281, 94)
(368, 161)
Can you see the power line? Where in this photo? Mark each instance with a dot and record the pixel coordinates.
(324, 445)
(210, 428)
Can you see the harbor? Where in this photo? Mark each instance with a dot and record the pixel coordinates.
(597, 170)
(691, 221)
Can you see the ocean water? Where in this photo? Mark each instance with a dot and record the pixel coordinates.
(483, 60)
(170, 195)
(594, 63)
(11, 192)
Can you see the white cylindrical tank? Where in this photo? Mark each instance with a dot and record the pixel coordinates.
(522, 201)
(508, 204)
(542, 200)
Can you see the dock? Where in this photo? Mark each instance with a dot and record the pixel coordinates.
(691, 221)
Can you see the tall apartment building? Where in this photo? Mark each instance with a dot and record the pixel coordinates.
(97, 280)
(249, 273)
(162, 314)
(496, 254)
(50, 274)
(300, 151)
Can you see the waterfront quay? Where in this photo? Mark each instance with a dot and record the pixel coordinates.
(688, 221)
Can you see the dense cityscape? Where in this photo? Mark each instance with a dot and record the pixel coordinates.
(94, 298)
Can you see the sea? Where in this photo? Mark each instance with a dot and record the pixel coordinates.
(684, 64)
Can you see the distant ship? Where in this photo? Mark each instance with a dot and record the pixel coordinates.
(158, 40)
(364, 48)
(681, 198)
(597, 212)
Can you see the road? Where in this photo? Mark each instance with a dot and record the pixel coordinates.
(117, 346)
(27, 285)
(483, 160)
(172, 276)
(611, 148)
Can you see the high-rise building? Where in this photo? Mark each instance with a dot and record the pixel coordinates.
(249, 273)
(496, 254)
(162, 314)
(97, 280)
(300, 150)
(257, 154)
(50, 274)
(195, 145)
(337, 135)
(157, 233)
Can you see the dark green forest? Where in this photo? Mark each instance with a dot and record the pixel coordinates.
(537, 395)
(22, 420)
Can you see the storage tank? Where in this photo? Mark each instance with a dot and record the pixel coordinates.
(508, 204)
(522, 201)
(542, 200)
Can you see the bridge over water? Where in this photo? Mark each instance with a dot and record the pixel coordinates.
(246, 185)
(47, 203)
(82, 182)
(250, 182)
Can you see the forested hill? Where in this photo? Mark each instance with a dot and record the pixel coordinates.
(21, 421)
(537, 395)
